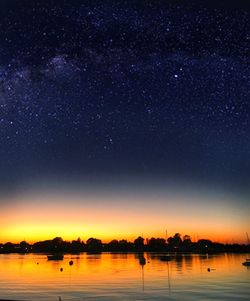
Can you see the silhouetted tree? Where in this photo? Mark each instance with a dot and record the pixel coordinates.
(175, 242)
(204, 245)
(139, 243)
(187, 237)
(156, 244)
(94, 245)
(57, 244)
(186, 243)
(77, 245)
(114, 245)
(9, 247)
(24, 247)
(125, 246)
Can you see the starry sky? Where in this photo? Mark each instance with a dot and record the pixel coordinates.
(124, 90)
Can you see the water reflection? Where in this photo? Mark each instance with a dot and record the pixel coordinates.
(151, 276)
(142, 262)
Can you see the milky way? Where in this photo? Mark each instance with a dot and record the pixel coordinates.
(124, 87)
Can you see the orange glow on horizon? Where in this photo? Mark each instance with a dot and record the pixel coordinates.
(34, 219)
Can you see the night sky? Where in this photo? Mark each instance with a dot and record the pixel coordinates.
(124, 89)
(119, 118)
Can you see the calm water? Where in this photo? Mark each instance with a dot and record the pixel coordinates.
(121, 277)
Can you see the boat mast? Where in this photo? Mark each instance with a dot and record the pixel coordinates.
(248, 238)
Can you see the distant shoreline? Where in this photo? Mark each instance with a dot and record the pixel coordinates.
(175, 244)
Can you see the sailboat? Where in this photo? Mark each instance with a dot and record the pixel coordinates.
(247, 262)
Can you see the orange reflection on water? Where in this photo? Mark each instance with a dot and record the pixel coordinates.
(33, 276)
(36, 269)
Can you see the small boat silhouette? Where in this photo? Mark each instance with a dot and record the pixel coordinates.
(55, 257)
(247, 262)
(142, 261)
(165, 258)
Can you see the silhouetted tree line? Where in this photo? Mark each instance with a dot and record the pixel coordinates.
(176, 243)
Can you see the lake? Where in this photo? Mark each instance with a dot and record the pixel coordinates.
(112, 276)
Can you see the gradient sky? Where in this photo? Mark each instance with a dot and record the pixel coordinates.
(120, 210)
(107, 108)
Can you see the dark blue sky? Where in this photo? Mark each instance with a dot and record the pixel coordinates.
(131, 88)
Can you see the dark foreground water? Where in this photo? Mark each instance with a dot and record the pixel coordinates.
(122, 277)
